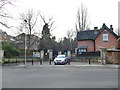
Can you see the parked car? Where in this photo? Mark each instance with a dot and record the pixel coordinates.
(61, 59)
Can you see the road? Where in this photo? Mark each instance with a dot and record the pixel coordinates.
(57, 77)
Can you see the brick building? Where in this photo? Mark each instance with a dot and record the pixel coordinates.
(93, 40)
(20, 41)
(4, 36)
(118, 43)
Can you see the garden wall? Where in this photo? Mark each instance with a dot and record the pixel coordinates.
(113, 56)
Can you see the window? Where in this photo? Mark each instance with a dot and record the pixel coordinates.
(4, 35)
(113, 47)
(82, 50)
(105, 37)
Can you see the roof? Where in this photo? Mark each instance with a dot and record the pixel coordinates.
(85, 35)
(90, 35)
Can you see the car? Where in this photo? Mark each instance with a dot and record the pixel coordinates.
(60, 59)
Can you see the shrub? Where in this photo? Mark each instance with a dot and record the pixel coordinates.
(10, 50)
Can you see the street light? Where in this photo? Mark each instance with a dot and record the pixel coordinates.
(25, 41)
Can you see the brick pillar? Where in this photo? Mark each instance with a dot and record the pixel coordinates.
(103, 55)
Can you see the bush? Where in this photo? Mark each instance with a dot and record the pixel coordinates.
(10, 50)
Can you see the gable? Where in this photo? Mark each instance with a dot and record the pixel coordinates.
(91, 35)
(105, 29)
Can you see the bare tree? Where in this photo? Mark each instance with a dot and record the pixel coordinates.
(29, 22)
(71, 37)
(70, 34)
(82, 19)
(47, 41)
(4, 14)
(47, 24)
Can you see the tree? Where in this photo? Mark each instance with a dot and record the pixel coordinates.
(29, 22)
(47, 41)
(82, 19)
(47, 26)
(4, 14)
(10, 50)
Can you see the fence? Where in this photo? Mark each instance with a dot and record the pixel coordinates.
(21, 60)
(89, 54)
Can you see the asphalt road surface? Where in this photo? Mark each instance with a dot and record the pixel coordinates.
(84, 77)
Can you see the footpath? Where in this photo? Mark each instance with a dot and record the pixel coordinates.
(45, 65)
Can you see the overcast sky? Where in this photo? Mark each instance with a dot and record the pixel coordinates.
(64, 12)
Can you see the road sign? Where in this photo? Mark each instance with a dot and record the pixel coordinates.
(80, 52)
(36, 54)
(65, 53)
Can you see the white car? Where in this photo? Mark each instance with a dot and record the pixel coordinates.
(60, 59)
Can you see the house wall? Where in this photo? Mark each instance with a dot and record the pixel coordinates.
(21, 46)
(112, 41)
(21, 42)
(3, 37)
(88, 43)
(118, 43)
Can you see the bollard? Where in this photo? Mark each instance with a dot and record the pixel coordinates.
(40, 61)
(69, 61)
(89, 60)
(32, 61)
(50, 61)
(24, 61)
(8, 61)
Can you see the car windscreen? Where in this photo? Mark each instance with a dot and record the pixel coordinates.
(60, 56)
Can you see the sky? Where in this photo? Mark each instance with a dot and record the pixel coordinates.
(64, 13)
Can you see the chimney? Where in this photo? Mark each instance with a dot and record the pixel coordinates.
(95, 30)
(111, 27)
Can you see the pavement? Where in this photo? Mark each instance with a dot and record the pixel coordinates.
(37, 65)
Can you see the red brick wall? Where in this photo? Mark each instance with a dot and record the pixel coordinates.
(6, 39)
(88, 43)
(112, 40)
(113, 57)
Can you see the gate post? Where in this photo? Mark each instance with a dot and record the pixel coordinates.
(69, 56)
(41, 56)
(59, 53)
(103, 55)
(50, 56)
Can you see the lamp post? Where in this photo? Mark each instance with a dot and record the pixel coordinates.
(25, 42)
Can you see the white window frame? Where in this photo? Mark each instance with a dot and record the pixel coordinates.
(105, 37)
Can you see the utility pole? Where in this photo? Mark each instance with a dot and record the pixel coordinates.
(25, 41)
